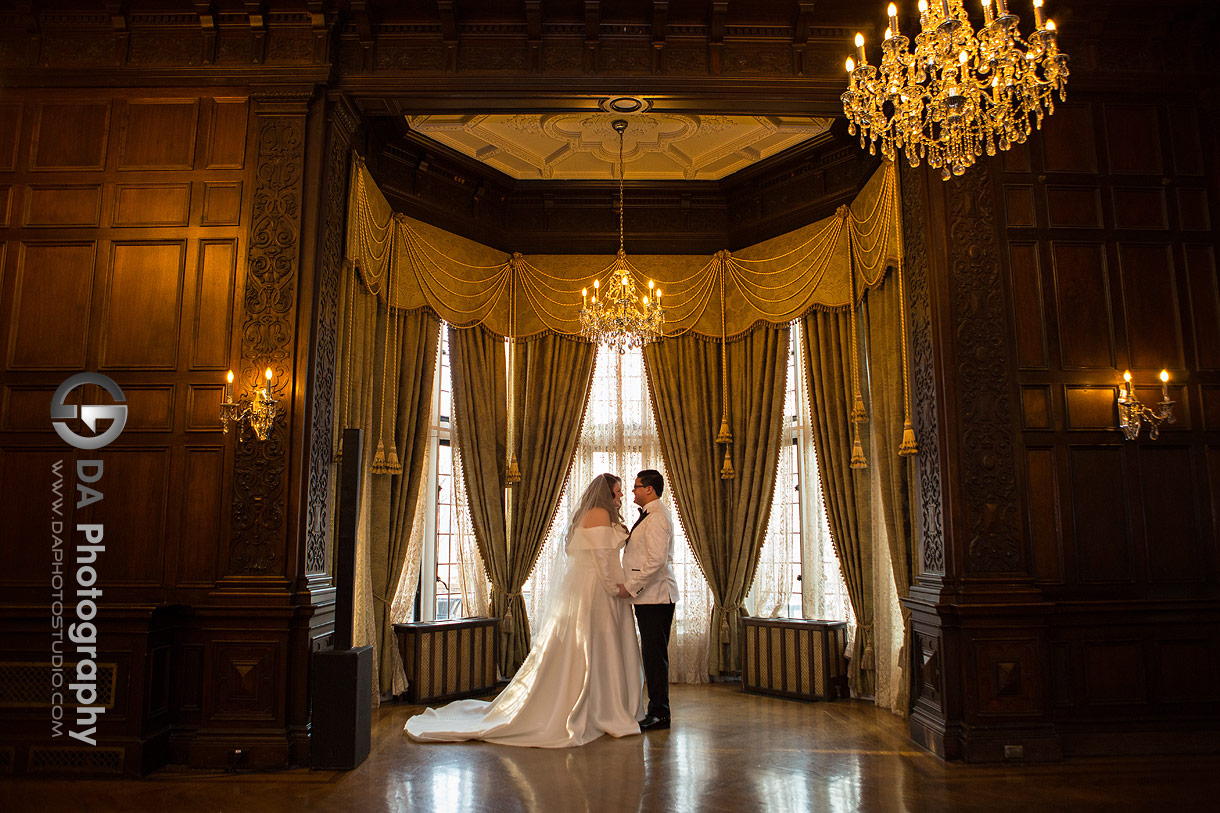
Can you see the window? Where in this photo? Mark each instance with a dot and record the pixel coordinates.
(440, 596)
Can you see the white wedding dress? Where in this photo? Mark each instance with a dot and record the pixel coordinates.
(583, 676)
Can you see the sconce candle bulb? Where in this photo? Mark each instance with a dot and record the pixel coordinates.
(259, 413)
(1132, 413)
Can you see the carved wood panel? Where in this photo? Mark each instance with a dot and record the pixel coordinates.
(930, 523)
(321, 439)
(992, 522)
(267, 333)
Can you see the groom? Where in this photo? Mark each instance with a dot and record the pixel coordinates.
(648, 564)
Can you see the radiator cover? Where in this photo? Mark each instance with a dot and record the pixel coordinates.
(794, 658)
(445, 660)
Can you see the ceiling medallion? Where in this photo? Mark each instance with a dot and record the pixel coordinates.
(625, 104)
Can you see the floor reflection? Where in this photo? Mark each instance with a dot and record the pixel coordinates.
(727, 751)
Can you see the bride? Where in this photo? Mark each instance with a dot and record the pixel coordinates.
(583, 676)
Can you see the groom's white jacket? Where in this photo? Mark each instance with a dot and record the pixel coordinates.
(648, 558)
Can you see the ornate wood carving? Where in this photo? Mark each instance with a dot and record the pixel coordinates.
(268, 318)
(923, 373)
(984, 369)
(317, 531)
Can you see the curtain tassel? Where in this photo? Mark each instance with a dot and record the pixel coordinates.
(378, 466)
(908, 446)
(726, 471)
(725, 436)
(724, 627)
(858, 412)
(392, 466)
(858, 460)
(512, 472)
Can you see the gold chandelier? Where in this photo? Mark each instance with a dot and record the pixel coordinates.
(959, 94)
(622, 317)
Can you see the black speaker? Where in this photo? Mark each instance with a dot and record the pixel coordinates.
(346, 517)
(342, 708)
(341, 691)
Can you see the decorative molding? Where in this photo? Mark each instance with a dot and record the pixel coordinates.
(321, 440)
(583, 146)
(269, 314)
(927, 462)
(928, 676)
(991, 510)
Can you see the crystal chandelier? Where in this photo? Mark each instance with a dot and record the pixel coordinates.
(959, 94)
(622, 317)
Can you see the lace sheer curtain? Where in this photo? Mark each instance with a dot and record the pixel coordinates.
(887, 612)
(620, 436)
(472, 574)
(823, 593)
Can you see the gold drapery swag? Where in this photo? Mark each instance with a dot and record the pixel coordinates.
(828, 265)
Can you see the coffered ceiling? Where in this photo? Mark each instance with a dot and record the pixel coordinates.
(584, 146)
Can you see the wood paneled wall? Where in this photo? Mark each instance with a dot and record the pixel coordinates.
(157, 236)
(1110, 247)
(122, 254)
(1068, 596)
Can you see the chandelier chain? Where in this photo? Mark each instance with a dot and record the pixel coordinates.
(620, 317)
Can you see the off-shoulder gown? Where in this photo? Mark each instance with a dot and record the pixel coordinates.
(583, 676)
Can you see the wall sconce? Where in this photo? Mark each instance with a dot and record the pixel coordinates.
(1131, 412)
(260, 413)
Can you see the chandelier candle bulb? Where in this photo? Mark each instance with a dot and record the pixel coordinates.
(1002, 7)
(1039, 14)
(1165, 385)
(892, 13)
(944, 8)
(988, 18)
(229, 389)
(1126, 385)
(860, 49)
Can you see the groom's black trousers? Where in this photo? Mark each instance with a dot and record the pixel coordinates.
(655, 621)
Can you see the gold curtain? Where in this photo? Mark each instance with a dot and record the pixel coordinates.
(552, 385)
(828, 341)
(894, 472)
(480, 415)
(725, 519)
(395, 496)
(386, 366)
(774, 281)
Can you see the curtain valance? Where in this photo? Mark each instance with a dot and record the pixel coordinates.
(411, 264)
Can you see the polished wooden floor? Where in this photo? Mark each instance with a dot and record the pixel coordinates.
(727, 751)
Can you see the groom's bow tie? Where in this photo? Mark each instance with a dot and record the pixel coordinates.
(640, 518)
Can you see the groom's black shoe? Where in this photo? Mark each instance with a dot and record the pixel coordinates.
(652, 722)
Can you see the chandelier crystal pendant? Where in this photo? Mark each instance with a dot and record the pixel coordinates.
(959, 94)
(621, 317)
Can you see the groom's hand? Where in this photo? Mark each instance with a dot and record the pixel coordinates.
(622, 592)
